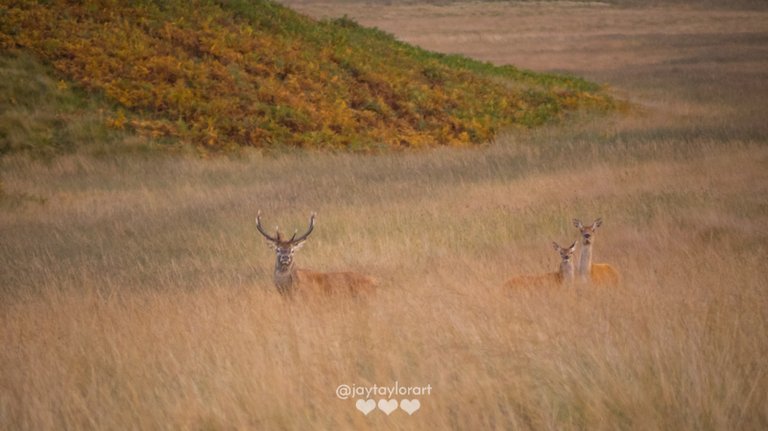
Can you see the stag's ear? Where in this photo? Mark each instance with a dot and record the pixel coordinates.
(297, 245)
(577, 223)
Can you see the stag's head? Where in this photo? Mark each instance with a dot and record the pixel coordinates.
(588, 231)
(284, 248)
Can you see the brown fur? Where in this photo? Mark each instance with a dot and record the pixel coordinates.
(563, 275)
(289, 279)
(551, 279)
(346, 282)
(595, 273)
(604, 273)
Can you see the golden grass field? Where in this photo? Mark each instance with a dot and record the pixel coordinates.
(136, 293)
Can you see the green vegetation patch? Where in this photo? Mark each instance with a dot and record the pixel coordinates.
(42, 116)
(225, 74)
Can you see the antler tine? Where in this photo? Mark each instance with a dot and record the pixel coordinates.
(309, 231)
(263, 232)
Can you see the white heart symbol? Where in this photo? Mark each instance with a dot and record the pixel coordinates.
(410, 406)
(365, 406)
(387, 406)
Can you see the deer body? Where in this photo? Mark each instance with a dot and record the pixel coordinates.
(289, 279)
(564, 275)
(597, 273)
(336, 282)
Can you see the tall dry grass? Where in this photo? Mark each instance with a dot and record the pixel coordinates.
(137, 293)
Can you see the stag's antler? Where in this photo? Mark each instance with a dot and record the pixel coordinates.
(277, 238)
(263, 232)
(295, 240)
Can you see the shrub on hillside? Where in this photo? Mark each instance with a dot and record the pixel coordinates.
(223, 74)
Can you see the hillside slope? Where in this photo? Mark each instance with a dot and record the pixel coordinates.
(230, 73)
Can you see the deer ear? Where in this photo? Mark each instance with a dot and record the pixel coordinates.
(572, 248)
(577, 223)
(297, 245)
(555, 246)
(597, 222)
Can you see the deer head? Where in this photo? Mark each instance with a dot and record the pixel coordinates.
(587, 232)
(284, 248)
(565, 252)
(567, 268)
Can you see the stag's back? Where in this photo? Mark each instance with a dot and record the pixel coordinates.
(330, 283)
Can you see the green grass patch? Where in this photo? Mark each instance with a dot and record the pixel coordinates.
(42, 116)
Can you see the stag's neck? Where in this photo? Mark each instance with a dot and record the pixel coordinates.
(285, 278)
(585, 260)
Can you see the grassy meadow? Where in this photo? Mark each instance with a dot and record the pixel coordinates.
(135, 291)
